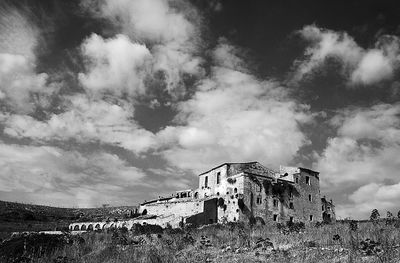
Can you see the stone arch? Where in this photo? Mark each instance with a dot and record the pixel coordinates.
(83, 227)
(90, 227)
(112, 225)
(76, 227)
(104, 226)
(97, 227)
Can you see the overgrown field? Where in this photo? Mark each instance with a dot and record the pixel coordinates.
(342, 242)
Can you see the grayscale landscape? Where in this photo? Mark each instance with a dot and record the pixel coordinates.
(199, 131)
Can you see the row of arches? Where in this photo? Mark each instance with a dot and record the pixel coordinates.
(96, 226)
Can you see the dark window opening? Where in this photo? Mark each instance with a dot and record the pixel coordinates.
(259, 200)
(311, 218)
(234, 219)
(235, 190)
(310, 198)
(291, 219)
(196, 195)
(323, 208)
(297, 180)
(291, 206)
(218, 177)
(206, 181)
(276, 203)
(218, 193)
(275, 218)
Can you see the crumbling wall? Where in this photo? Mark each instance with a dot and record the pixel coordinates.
(228, 201)
(181, 208)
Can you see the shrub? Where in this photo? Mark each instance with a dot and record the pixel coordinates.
(375, 216)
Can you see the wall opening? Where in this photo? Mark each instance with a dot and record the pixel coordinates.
(276, 203)
(310, 198)
(76, 227)
(259, 200)
(308, 181)
(83, 227)
(218, 177)
(206, 182)
(311, 218)
(275, 218)
(291, 206)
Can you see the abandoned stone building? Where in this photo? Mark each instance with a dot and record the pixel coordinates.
(238, 192)
(247, 192)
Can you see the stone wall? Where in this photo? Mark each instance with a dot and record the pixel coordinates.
(303, 207)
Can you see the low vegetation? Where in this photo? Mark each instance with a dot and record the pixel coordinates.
(346, 241)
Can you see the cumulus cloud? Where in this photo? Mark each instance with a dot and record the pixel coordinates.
(170, 28)
(360, 65)
(114, 65)
(85, 120)
(363, 156)
(233, 116)
(50, 175)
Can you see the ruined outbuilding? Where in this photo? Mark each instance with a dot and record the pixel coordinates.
(238, 192)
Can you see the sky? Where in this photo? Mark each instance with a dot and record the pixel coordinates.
(117, 102)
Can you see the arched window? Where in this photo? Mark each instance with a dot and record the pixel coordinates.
(235, 190)
(97, 226)
(196, 195)
(83, 227)
(76, 227)
(90, 227)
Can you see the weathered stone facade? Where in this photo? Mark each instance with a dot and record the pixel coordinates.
(250, 192)
(241, 192)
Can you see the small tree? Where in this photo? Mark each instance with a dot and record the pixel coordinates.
(389, 218)
(375, 216)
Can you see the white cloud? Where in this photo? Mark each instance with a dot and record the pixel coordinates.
(18, 35)
(86, 120)
(235, 117)
(51, 175)
(373, 67)
(363, 156)
(360, 66)
(21, 87)
(171, 29)
(114, 65)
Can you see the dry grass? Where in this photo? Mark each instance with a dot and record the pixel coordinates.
(235, 243)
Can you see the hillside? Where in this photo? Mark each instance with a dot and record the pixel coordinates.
(26, 217)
